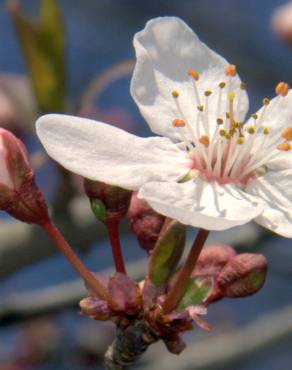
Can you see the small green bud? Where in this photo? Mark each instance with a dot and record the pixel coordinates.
(98, 209)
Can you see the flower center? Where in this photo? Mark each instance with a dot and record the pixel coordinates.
(222, 148)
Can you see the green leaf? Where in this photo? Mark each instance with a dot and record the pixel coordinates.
(197, 291)
(99, 209)
(167, 252)
(42, 44)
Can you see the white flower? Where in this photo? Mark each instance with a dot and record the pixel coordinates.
(210, 170)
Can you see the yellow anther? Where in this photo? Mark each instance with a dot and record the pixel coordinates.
(222, 84)
(266, 131)
(240, 140)
(266, 101)
(282, 88)
(228, 135)
(178, 122)
(208, 93)
(231, 95)
(232, 132)
(243, 86)
(200, 108)
(254, 115)
(227, 115)
(230, 70)
(285, 147)
(175, 94)
(205, 140)
(194, 74)
(222, 132)
(287, 133)
(251, 130)
(220, 121)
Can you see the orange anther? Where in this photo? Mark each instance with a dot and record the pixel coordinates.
(230, 70)
(285, 147)
(287, 133)
(194, 74)
(282, 88)
(178, 122)
(205, 140)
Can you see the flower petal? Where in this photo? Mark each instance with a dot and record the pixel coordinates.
(201, 204)
(105, 153)
(275, 189)
(166, 49)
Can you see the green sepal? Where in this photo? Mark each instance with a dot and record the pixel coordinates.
(197, 291)
(98, 209)
(167, 252)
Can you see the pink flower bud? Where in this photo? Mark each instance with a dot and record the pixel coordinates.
(243, 275)
(282, 22)
(19, 195)
(145, 223)
(212, 259)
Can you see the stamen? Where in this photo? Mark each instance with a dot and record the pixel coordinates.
(208, 93)
(266, 101)
(222, 84)
(282, 89)
(220, 121)
(242, 87)
(194, 74)
(178, 122)
(200, 107)
(175, 93)
(205, 140)
(285, 147)
(223, 133)
(287, 133)
(240, 140)
(230, 70)
(266, 131)
(231, 96)
(251, 130)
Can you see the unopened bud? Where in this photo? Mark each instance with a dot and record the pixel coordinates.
(95, 308)
(282, 22)
(19, 195)
(145, 223)
(244, 275)
(212, 259)
(108, 202)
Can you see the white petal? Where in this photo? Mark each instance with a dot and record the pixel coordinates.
(275, 189)
(165, 51)
(201, 204)
(105, 153)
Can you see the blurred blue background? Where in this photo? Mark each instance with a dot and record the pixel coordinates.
(99, 34)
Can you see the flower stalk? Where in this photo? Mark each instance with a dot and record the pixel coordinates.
(74, 260)
(184, 274)
(114, 236)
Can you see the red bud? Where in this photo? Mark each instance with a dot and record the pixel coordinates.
(114, 199)
(244, 275)
(19, 195)
(145, 223)
(212, 259)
